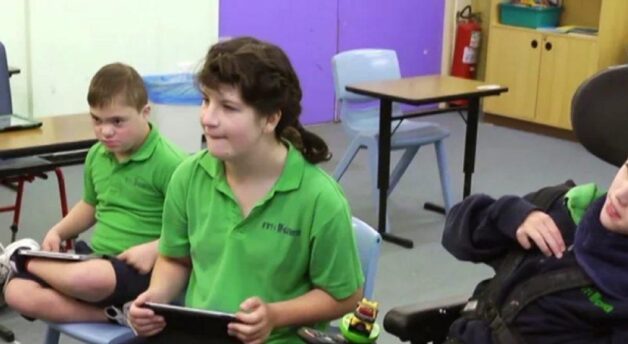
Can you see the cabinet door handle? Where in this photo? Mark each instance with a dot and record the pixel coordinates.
(534, 44)
(548, 46)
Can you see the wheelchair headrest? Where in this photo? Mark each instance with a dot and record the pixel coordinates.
(599, 114)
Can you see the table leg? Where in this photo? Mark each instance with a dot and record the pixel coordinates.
(383, 173)
(6, 334)
(439, 209)
(471, 137)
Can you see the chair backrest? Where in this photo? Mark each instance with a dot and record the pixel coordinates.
(369, 244)
(5, 87)
(361, 65)
(359, 113)
(599, 114)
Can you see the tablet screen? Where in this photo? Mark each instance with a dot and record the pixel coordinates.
(14, 122)
(56, 255)
(195, 321)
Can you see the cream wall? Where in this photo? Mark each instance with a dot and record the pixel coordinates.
(60, 44)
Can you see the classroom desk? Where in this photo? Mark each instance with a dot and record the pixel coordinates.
(422, 90)
(56, 136)
(58, 142)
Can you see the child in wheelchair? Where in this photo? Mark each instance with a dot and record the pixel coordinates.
(560, 258)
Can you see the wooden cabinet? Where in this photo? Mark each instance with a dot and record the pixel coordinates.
(543, 70)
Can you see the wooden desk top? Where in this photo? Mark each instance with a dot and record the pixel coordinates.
(426, 89)
(56, 134)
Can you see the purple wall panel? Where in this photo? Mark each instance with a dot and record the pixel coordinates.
(306, 30)
(311, 32)
(413, 28)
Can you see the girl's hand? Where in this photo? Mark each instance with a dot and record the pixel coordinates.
(144, 322)
(540, 227)
(256, 322)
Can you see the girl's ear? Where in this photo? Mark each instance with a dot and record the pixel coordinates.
(271, 122)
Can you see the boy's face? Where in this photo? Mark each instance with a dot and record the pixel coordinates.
(121, 128)
(232, 128)
(614, 215)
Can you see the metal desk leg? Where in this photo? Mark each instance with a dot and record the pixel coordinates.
(383, 173)
(6, 334)
(471, 138)
(470, 144)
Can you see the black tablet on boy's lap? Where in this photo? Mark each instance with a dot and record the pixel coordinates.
(64, 256)
(193, 323)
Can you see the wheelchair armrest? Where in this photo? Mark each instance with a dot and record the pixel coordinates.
(424, 322)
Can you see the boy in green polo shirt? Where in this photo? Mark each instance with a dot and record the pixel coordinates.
(251, 223)
(125, 180)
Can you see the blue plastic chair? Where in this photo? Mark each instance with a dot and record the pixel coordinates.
(5, 87)
(360, 118)
(368, 241)
(93, 333)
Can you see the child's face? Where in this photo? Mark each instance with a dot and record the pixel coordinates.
(121, 128)
(232, 128)
(614, 215)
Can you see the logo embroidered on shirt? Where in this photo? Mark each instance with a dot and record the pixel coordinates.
(138, 182)
(281, 228)
(596, 299)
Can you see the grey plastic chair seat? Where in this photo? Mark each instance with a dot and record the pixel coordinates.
(420, 133)
(93, 333)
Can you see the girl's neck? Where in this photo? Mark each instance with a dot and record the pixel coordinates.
(266, 161)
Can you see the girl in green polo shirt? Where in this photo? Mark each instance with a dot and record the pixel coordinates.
(251, 225)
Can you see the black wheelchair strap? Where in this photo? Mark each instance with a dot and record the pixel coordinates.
(541, 285)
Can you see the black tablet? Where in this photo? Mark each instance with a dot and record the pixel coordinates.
(71, 257)
(16, 122)
(209, 324)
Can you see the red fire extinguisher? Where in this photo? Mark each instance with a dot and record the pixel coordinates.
(468, 36)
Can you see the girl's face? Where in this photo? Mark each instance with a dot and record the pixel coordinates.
(232, 128)
(614, 215)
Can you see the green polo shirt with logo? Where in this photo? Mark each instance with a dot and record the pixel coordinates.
(129, 196)
(297, 238)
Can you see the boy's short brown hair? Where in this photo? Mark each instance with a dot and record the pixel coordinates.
(117, 81)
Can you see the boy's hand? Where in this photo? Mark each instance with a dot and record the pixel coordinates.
(256, 322)
(142, 257)
(52, 241)
(144, 322)
(540, 227)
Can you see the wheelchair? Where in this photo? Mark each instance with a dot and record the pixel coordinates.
(600, 123)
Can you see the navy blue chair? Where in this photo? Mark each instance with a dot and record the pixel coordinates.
(5, 87)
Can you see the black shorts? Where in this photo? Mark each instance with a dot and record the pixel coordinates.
(129, 281)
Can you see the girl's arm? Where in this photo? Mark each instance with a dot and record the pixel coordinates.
(258, 319)
(170, 276)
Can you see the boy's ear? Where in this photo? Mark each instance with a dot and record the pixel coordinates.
(145, 113)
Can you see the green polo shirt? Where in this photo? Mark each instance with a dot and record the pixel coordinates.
(296, 238)
(129, 196)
